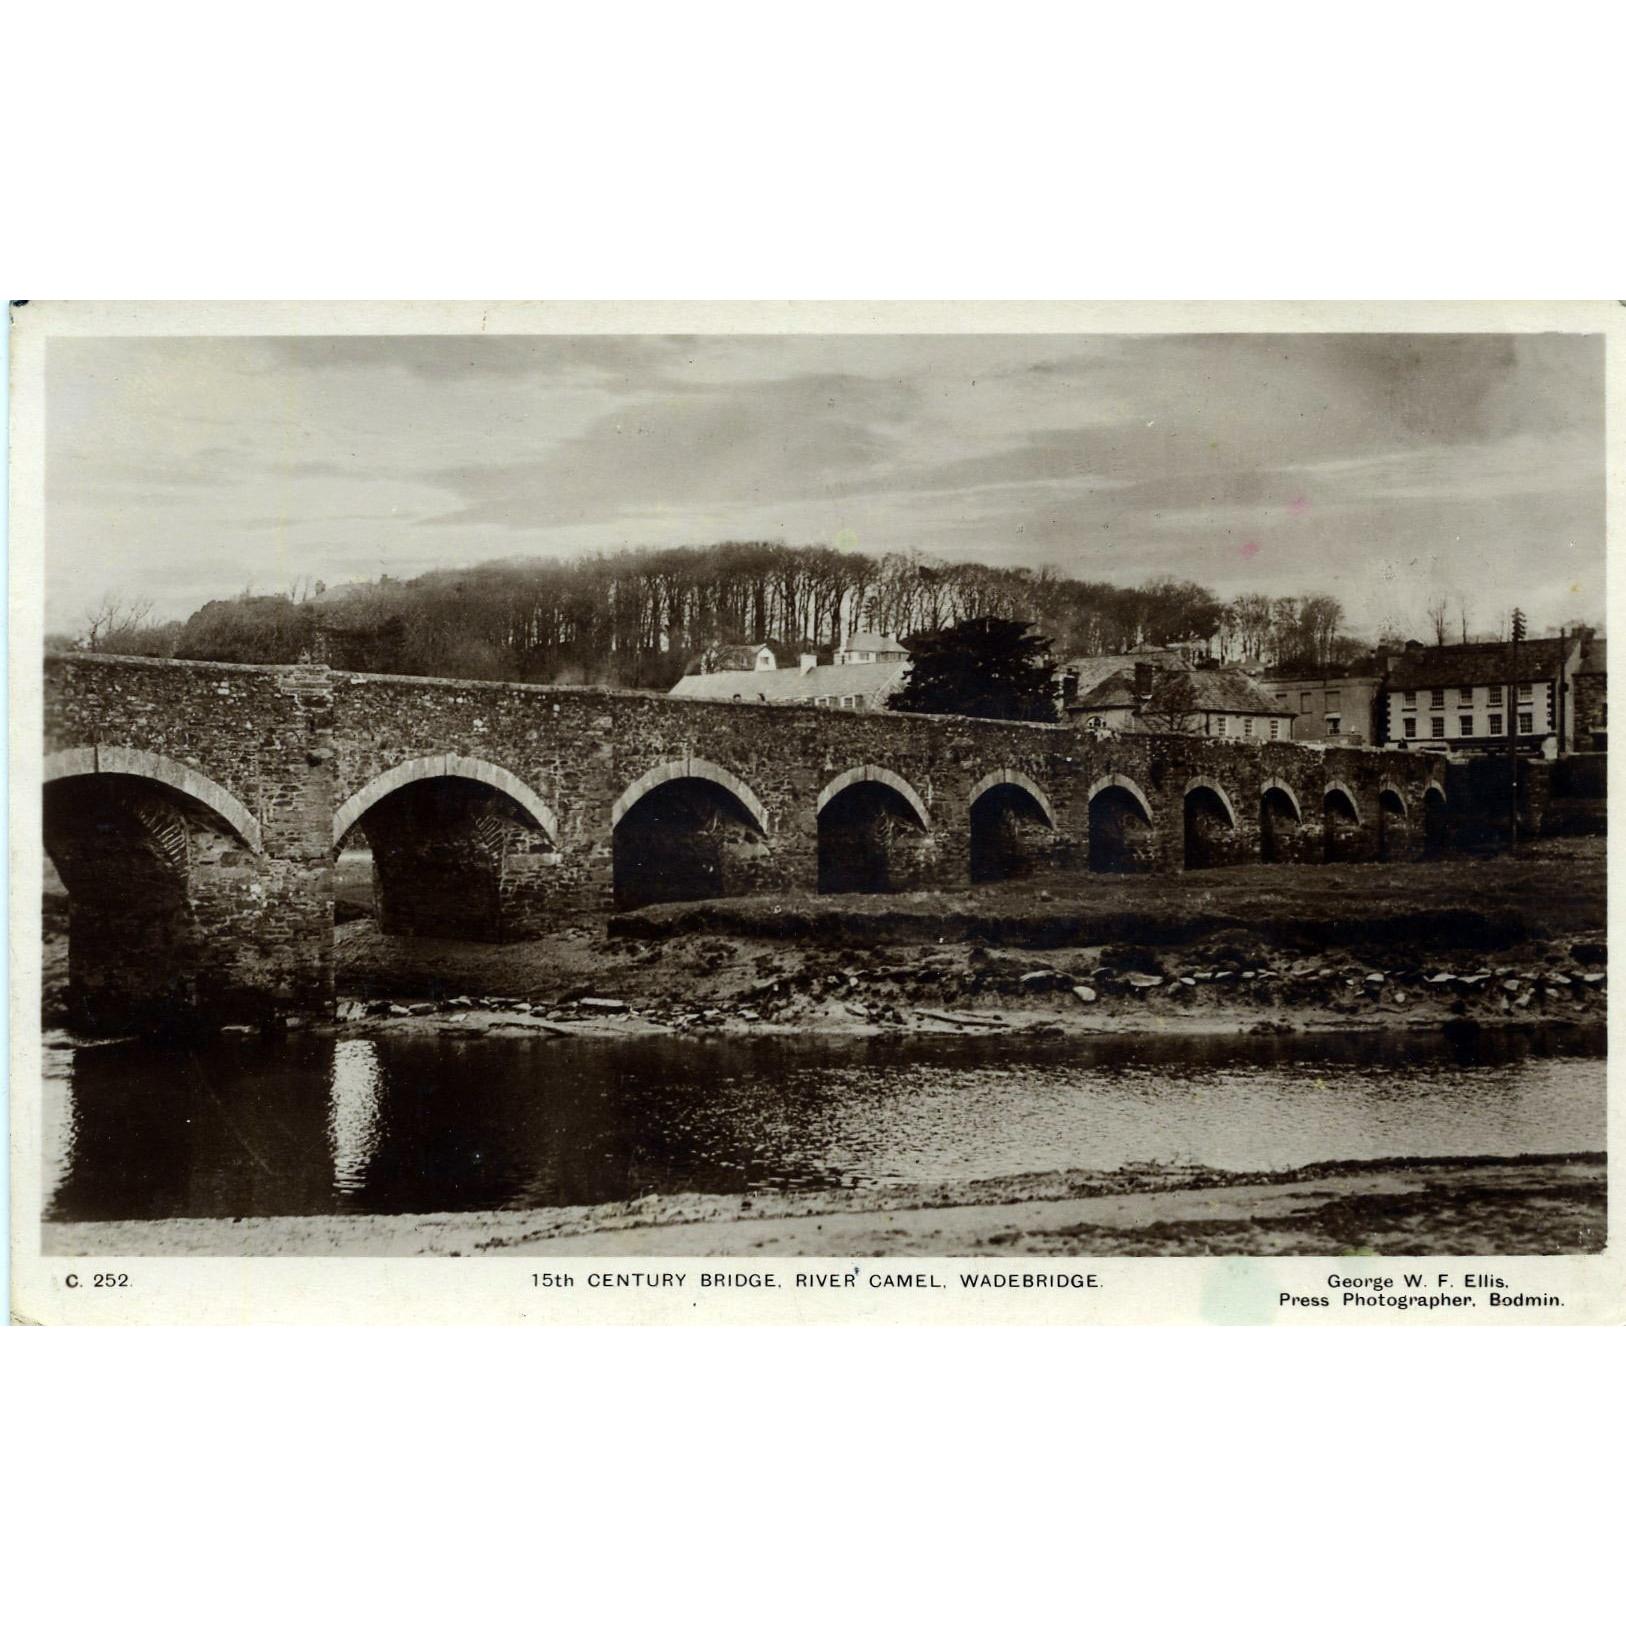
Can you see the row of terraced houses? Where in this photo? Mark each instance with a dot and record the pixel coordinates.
(1457, 698)
(1550, 696)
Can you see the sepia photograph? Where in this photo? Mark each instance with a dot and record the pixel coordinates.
(742, 742)
(850, 794)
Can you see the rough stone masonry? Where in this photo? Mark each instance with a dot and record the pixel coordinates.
(194, 811)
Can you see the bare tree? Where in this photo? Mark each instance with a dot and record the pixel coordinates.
(1320, 616)
(113, 617)
(1439, 618)
(1173, 707)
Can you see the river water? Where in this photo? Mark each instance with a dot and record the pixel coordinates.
(398, 1124)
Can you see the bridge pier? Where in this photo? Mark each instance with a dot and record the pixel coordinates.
(171, 917)
(187, 901)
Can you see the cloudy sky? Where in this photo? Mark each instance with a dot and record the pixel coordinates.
(1384, 469)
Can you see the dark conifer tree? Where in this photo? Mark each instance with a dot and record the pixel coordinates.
(984, 667)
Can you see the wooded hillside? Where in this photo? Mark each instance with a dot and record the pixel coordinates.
(637, 618)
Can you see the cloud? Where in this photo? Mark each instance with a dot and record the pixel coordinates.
(177, 469)
(773, 440)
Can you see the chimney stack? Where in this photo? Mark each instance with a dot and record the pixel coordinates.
(809, 660)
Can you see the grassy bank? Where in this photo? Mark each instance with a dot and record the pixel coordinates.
(1552, 890)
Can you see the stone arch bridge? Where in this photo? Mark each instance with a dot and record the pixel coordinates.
(195, 811)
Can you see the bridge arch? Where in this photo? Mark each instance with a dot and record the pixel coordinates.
(1010, 776)
(120, 759)
(874, 833)
(1012, 827)
(688, 829)
(448, 857)
(1394, 822)
(1343, 839)
(1273, 783)
(1201, 781)
(869, 774)
(152, 856)
(447, 766)
(1434, 819)
(690, 768)
(1337, 787)
(1122, 838)
(1281, 821)
(1118, 781)
(1211, 824)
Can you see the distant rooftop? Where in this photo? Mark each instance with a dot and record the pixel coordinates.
(1464, 665)
(1212, 689)
(873, 643)
(789, 686)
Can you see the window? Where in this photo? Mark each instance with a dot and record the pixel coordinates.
(1219, 725)
(1436, 699)
(1527, 691)
(1409, 698)
(1495, 722)
(1281, 700)
(1436, 728)
(1332, 700)
(1494, 695)
(1334, 724)
(1247, 727)
(1275, 728)
(1527, 722)
(1411, 728)
(1466, 696)
(1306, 699)
(1465, 724)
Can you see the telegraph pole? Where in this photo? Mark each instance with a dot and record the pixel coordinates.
(1512, 714)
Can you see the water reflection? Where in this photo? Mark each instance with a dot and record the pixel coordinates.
(404, 1125)
(353, 1101)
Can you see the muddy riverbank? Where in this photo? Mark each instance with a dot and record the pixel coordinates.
(1274, 948)
(578, 983)
(1502, 940)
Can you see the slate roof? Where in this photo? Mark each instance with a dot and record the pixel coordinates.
(743, 657)
(1464, 665)
(1593, 664)
(1093, 669)
(793, 687)
(1218, 690)
(873, 643)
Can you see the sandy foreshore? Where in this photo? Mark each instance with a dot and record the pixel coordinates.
(1457, 1206)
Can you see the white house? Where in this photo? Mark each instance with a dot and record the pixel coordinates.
(1459, 697)
(869, 649)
